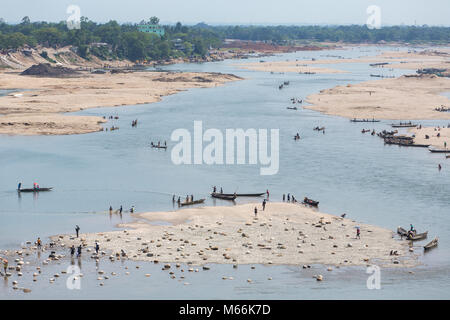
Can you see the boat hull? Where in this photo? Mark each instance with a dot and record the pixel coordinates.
(222, 196)
(35, 190)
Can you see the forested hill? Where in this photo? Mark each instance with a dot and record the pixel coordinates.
(125, 41)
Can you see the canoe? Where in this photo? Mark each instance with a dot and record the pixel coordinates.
(159, 147)
(437, 150)
(192, 202)
(243, 194)
(292, 108)
(419, 236)
(310, 202)
(404, 125)
(402, 231)
(35, 190)
(432, 244)
(223, 196)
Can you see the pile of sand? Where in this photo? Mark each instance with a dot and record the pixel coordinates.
(47, 70)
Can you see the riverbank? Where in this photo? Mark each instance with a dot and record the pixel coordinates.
(282, 234)
(38, 106)
(403, 98)
(441, 142)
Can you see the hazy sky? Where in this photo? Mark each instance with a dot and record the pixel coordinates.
(393, 12)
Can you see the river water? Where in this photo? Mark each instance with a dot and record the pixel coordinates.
(347, 171)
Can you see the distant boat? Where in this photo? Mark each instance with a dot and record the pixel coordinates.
(243, 194)
(223, 196)
(432, 244)
(159, 147)
(404, 125)
(35, 190)
(292, 108)
(437, 150)
(188, 203)
(364, 120)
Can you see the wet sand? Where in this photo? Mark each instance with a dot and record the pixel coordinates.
(38, 109)
(283, 234)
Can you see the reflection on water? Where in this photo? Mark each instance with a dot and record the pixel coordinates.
(343, 169)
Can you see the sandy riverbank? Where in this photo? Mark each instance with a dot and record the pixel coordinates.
(401, 98)
(432, 132)
(39, 107)
(283, 234)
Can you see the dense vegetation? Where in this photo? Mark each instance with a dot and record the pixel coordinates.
(125, 41)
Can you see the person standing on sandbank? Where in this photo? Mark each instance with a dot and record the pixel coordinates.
(79, 251)
(264, 204)
(256, 212)
(97, 247)
(77, 230)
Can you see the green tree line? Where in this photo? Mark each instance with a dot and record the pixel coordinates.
(125, 41)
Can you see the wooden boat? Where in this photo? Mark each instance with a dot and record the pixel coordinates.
(437, 150)
(432, 244)
(223, 196)
(448, 157)
(243, 194)
(192, 202)
(419, 236)
(404, 125)
(292, 108)
(364, 120)
(35, 190)
(310, 202)
(402, 231)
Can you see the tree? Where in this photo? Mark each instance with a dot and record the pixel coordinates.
(26, 20)
(154, 20)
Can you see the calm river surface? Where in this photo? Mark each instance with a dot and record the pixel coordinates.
(347, 171)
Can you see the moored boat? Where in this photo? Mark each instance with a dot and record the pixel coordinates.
(417, 236)
(222, 196)
(437, 150)
(291, 108)
(159, 147)
(404, 125)
(192, 202)
(243, 194)
(402, 231)
(310, 202)
(432, 244)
